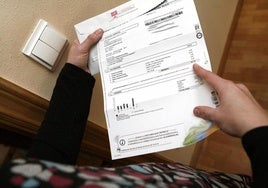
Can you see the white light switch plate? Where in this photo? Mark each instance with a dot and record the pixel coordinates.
(45, 45)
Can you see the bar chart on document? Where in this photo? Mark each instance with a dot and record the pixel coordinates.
(124, 110)
(149, 85)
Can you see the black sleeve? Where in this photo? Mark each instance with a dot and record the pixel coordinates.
(60, 135)
(255, 143)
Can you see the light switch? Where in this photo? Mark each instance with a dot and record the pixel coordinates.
(45, 53)
(45, 45)
(53, 38)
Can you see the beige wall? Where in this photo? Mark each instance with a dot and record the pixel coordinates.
(19, 17)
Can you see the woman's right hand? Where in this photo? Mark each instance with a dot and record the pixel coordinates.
(238, 111)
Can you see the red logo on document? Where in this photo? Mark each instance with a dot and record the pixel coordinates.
(114, 14)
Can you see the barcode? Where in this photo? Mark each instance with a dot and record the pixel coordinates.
(165, 18)
(215, 98)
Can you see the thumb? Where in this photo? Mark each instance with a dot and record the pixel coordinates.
(92, 39)
(206, 113)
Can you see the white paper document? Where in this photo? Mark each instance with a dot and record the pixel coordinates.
(149, 87)
(111, 19)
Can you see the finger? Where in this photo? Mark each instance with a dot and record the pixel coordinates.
(92, 39)
(206, 113)
(212, 79)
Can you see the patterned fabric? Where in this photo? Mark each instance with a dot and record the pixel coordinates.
(38, 173)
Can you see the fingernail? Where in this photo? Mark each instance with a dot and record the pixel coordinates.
(197, 112)
(196, 65)
(99, 32)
